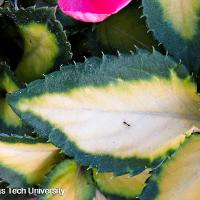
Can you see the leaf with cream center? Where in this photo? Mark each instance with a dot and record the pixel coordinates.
(116, 114)
(75, 182)
(178, 178)
(125, 186)
(45, 44)
(176, 24)
(10, 123)
(25, 161)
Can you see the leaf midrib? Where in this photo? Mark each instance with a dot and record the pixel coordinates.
(176, 115)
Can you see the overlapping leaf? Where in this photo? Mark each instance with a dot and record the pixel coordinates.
(124, 186)
(10, 123)
(176, 24)
(72, 179)
(178, 178)
(118, 114)
(25, 161)
(45, 43)
(124, 30)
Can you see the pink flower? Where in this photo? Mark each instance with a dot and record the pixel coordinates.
(91, 10)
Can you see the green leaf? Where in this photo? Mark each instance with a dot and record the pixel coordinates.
(119, 114)
(124, 30)
(10, 123)
(25, 161)
(75, 182)
(120, 32)
(176, 24)
(123, 186)
(8, 82)
(45, 43)
(178, 178)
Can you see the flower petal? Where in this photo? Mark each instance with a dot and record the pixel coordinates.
(91, 10)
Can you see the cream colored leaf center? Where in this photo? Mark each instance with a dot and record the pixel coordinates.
(137, 118)
(183, 15)
(180, 178)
